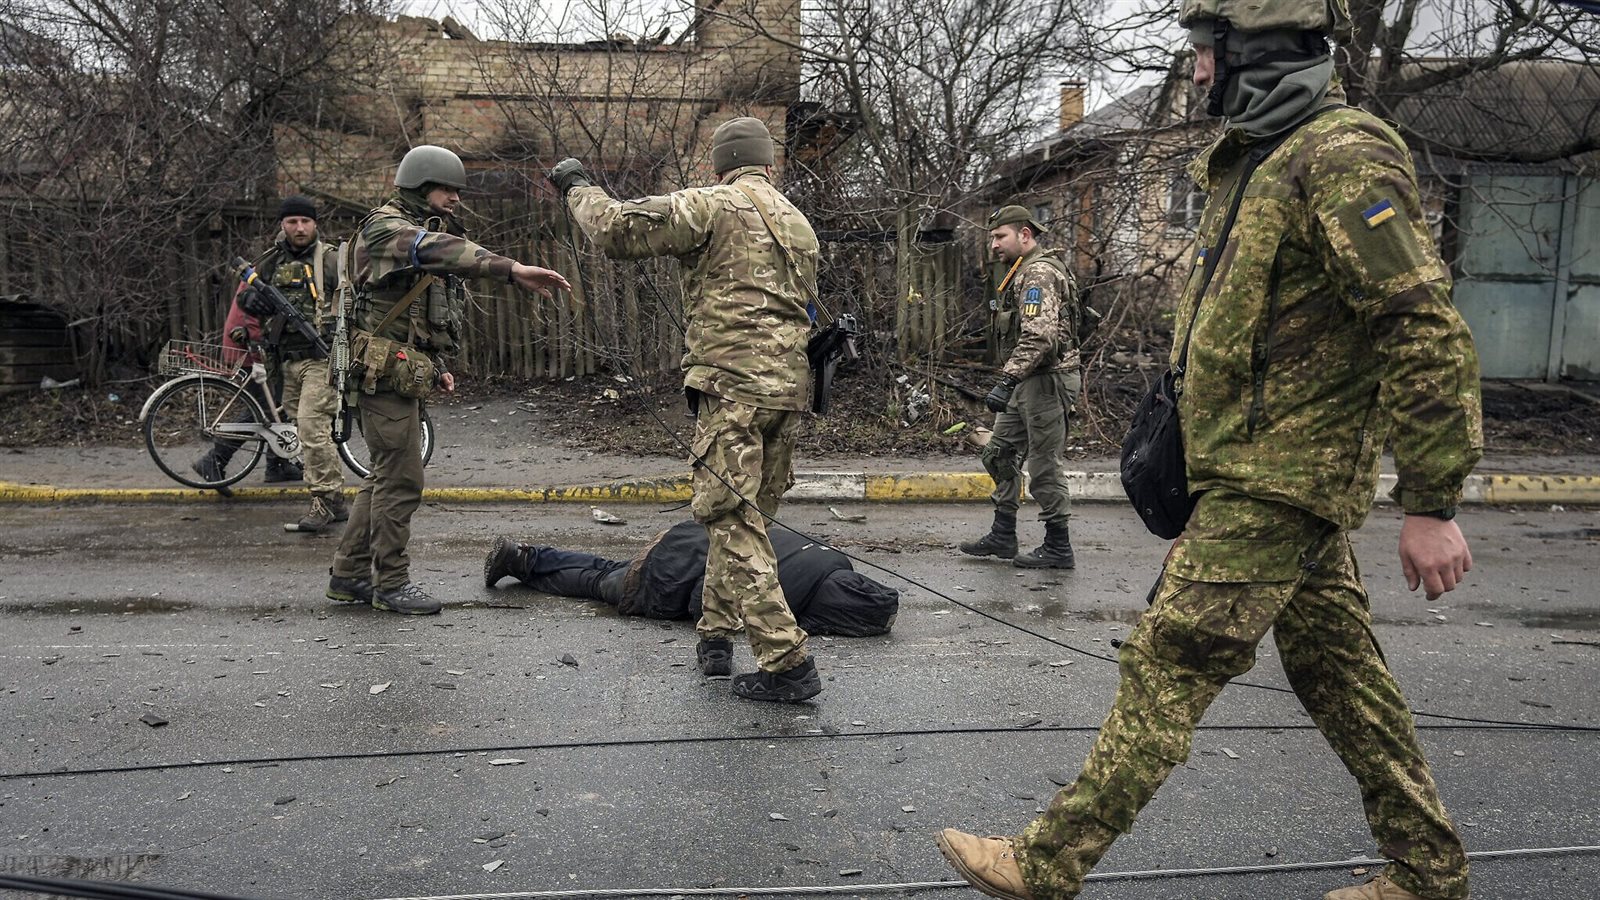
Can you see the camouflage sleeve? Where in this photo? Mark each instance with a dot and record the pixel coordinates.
(1039, 299)
(668, 225)
(396, 245)
(1363, 190)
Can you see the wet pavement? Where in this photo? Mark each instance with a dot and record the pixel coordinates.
(312, 749)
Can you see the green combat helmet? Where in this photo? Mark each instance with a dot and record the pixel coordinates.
(744, 141)
(428, 164)
(1309, 22)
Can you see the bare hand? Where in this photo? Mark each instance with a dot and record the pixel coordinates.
(533, 278)
(447, 383)
(1433, 554)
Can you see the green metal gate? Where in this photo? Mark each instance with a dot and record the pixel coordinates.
(1528, 274)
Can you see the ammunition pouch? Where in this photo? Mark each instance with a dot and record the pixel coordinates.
(403, 368)
(828, 347)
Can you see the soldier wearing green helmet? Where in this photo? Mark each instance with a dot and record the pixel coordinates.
(748, 263)
(407, 264)
(1037, 316)
(1315, 326)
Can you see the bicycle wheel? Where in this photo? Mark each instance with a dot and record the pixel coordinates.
(181, 425)
(354, 450)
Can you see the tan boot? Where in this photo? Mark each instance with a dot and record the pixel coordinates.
(987, 863)
(1380, 888)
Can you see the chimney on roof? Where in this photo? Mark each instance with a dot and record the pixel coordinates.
(1071, 103)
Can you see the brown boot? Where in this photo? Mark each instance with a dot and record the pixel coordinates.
(989, 864)
(1380, 888)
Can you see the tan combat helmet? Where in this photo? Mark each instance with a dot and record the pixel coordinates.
(428, 164)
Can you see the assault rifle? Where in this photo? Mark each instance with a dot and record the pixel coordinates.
(282, 307)
(828, 347)
(339, 367)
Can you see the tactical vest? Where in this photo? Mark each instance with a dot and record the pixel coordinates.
(1010, 323)
(294, 277)
(433, 321)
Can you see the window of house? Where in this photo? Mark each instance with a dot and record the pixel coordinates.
(1185, 200)
(1042, 214)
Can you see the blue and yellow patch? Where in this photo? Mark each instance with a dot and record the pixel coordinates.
(1200, 258)
(1379, 213)
(1032, 302)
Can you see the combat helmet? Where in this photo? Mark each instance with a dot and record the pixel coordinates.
(429, 164)
(1210, 22)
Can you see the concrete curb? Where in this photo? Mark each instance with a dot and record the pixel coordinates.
(925, 487)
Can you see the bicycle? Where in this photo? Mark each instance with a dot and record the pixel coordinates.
(210, 401)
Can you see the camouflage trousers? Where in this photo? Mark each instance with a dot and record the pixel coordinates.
(375, 538)
(1033, 428)
(747, 452)
(311, 402)
(1242, 567)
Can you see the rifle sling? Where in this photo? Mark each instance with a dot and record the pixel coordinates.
(788, 257)
(404, 302)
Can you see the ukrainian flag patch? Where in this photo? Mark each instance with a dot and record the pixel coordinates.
(1200, 258)
(1378, 214)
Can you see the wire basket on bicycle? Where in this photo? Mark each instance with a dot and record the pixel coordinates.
(195, 357)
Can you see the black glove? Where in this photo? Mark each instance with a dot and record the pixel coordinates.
(567, 175)
(252, 302)
(1000, 397)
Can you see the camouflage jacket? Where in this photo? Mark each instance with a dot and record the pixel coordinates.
(395, 246)
(748, 324)
(1040, 311)
(292, 272)
(1326, 326)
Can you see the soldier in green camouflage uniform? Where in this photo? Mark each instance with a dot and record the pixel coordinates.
(748, 267)
(409, 259)
(1037, 318)
(1326, 328)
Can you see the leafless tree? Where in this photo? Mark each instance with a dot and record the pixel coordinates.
(130, 126)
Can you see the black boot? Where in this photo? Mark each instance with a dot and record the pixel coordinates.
(1001, 540)
(715, 657)
(1054, 553)
(794, 685)
(505, 558)
(282, 470)
(408, 599)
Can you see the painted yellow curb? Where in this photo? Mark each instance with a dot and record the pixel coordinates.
(1504, 490)
(657, 490)
(932, 487)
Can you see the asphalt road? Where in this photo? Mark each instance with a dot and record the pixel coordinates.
(318, 750)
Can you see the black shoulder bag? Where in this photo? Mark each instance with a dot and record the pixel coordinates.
(1154, 475)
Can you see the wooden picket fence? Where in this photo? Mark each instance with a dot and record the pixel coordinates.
(620, 317)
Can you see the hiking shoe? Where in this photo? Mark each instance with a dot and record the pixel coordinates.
(789, 686)
(281, 470)
(1380, 888)
(503, 559)
(320, 516)
(1054, 553)
(989, 864)
(348, 590)
(408, 600)
(992, 544)
(715, 657)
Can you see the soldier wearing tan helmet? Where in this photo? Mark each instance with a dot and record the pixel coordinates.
(1037, 315)
(749, 268)
(1316, 324)
(407, 263)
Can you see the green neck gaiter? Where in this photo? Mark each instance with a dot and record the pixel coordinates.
(1268, 98)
